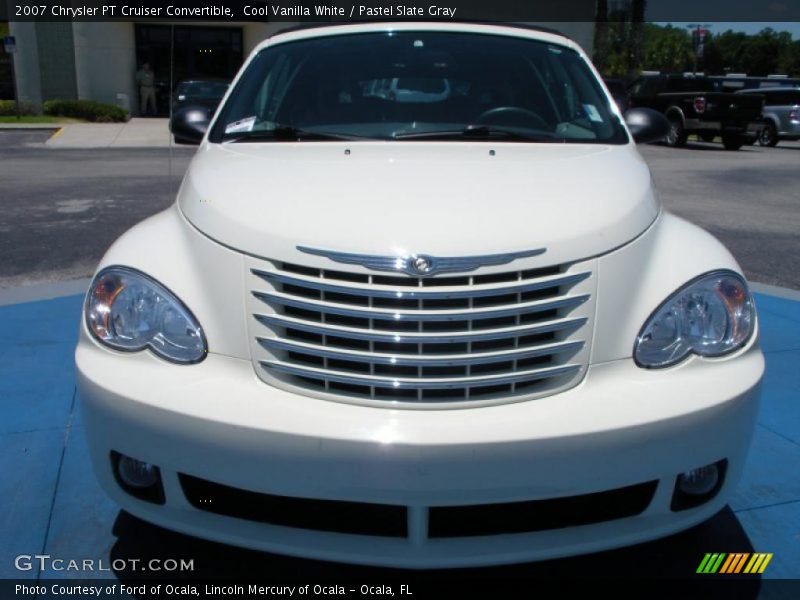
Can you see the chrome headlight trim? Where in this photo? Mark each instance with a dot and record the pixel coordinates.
(97, 312)
(747, 313)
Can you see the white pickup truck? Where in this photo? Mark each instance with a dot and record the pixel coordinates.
(454, 328)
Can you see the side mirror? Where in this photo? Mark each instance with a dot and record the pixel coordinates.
(646, 125)
(189, 124)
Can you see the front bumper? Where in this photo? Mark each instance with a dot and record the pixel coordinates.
(217, 421)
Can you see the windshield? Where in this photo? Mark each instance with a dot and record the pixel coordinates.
(418, 85)
(202, 89)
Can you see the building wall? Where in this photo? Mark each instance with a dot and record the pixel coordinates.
(105, 61)
(112, 78)
(26, 62)
(56, 60)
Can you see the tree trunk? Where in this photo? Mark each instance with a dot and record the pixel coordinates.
(637, 36)
(600, 57)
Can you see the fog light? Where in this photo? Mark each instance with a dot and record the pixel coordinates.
(136, 473)
(698, 486)
(138, 478)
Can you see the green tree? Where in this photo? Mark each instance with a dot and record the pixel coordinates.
(667, 48)
(619, 59)
(789, 61)
(618, 38)
(761, 54)
(601, 35)
(762, 51)
(637, 36)
(723, 52)
(670, 49)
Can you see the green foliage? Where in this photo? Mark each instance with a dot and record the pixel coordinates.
(670, 49)
(789, 59)
(85, 109)
(613, 54)
(761, 54)
(667, 49)
(619, 36)
(8, 108)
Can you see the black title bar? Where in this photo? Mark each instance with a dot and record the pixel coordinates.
(349, 10)
(299, 10)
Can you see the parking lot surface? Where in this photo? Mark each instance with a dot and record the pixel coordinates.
(749, 199)
(61, 208)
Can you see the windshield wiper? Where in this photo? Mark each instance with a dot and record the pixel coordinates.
(283, 133)
(474, 132)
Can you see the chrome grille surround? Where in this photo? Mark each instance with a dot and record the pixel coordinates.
(393, 340)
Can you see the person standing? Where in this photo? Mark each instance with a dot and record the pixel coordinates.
(146, 80)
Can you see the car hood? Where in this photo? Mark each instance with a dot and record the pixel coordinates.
(436, 198)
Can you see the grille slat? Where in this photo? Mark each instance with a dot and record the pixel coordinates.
(418, 383)
(461, 339)
(424, 360)
(416, 337)
(387, 291)
(507, 310)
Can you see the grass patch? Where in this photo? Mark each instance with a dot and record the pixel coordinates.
(40, 119)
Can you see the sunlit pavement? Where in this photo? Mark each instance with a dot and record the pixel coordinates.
(51, 504)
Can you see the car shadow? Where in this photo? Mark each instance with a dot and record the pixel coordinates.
(674, 557)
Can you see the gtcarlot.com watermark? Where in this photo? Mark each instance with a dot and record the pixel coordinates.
(46, 563)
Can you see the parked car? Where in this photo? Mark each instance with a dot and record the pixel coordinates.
(407, 333)
(692, 106)
(200, 92)
(781, 114)
(202, 95)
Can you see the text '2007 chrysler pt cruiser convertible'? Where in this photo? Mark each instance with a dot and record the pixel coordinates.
(417, 304)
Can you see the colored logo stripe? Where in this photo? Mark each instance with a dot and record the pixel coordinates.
(734, 563)
(729, 562)
(758, 563)
(711, 563)
(720, 562)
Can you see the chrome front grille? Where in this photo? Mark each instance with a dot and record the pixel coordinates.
(372, 337)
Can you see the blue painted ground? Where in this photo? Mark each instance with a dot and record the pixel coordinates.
(50, 503)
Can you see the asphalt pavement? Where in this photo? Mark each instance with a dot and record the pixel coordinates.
(60, 209)
(749, 199)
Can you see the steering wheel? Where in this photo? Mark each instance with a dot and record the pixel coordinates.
(519, 116)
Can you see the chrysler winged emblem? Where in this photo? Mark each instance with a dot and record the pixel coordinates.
(421, 265)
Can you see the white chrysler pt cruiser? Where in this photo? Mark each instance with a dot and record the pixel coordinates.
(418, 304)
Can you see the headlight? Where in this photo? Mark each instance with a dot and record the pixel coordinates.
(709, 316)
(127, 310)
